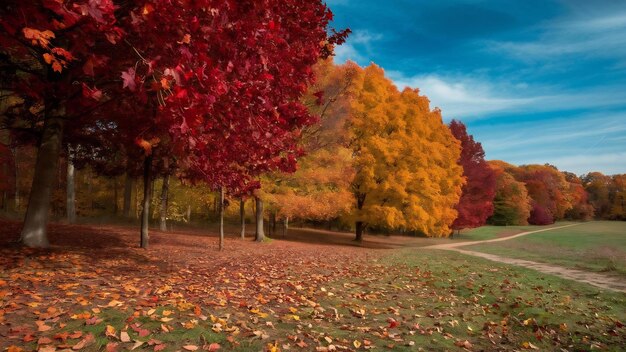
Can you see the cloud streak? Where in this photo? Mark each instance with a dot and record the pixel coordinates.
(467, 97)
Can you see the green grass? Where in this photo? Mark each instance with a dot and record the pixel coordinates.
(489, 232)
(442, 298)
(598, 246)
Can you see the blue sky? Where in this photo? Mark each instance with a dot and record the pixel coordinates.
(536, 81)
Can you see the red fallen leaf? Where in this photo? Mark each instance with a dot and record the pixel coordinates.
(464, 344)
(213, 347)
(41, 326)
(160, 347)
(143, 332)
(92, 321)
(112, 347)
(88, 340)
(76, 335)
(392, 323)
(153, 342)
(44, 341)
(28, 338)
(301, 344)
(61, 336)
(190, 347)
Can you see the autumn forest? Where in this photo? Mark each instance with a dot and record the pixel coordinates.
(199, 147)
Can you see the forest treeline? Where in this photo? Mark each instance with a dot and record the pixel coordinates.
(242, 104)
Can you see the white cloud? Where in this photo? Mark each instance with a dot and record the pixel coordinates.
(357, 48)
(578, 144)
(469, 97)
(460, 97)
(590, 35)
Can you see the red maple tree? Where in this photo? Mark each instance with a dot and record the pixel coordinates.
(476, 203)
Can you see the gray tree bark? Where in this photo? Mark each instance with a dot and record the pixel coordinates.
(128, 192)
(17, 183)
(34, 230)
(147, 198)
(242, 215)
(164, 194)
(116, 208)
(286, 226)
(221, 205)
(70, 189)
(260, 232)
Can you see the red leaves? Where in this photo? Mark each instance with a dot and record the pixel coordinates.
(393, 323)
(476, 203)
(93, 93)
(128, 78)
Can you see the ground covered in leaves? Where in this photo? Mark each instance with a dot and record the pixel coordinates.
(94, 291)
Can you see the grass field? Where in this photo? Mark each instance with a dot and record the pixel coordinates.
(490, 232)
(95, 291)
(598, 246)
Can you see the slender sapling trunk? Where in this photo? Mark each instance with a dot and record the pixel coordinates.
(260, 232)
(147, 198)
(164, 195)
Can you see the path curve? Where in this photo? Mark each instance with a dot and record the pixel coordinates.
(596, 279)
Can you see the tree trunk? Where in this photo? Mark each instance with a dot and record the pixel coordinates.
(286, 226)
(137, 204)
(274, 223)
(17, 183)
(34, 230)
(5, 171)
(221, 218)
(128, 192)
(70, 190)
(147, 198)
(359, 231)
(188, 212)
(242, 214)
(152, 187)
(360, 201)
(260, 232)
(164, 194)
(115, 196)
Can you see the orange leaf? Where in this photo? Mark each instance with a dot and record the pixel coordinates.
(88, 340)
(56, 67)
(48, 58)
(190, 347)
(109, 331)
(44, 341)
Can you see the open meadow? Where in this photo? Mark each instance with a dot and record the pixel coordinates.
(93, 291)
(598, 246)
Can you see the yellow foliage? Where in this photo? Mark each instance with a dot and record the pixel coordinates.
(405, 158)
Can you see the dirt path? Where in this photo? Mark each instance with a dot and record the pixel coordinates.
(596, 279)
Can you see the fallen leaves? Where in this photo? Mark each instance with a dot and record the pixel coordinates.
(282, 307)
(86, 341)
